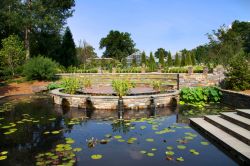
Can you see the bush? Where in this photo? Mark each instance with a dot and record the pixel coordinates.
(122, 87)
(200, 95)
(54, 85)
(40, 68)
(71, 85)
(238, 75)
(157, 85)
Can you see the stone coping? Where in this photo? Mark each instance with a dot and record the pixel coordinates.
(235, 92)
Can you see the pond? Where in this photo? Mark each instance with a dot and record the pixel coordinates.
(33, 131)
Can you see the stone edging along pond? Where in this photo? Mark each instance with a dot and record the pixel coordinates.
(111, 102)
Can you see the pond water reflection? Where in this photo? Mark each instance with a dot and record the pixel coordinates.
(33, 131)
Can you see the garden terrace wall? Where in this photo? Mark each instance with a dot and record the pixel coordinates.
(185, 79)
(235, 99)
(111, 102)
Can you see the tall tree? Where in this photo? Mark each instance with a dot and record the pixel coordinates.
(85, 51)
(68, 50)
(151, 62)
(159, 50)
(12, 54)
(117, 45)
(134, 64)
(161, 59)
(193, 60)
(169, 61)
(183, 59)
(177, 61)
(188, 59)
(143, 58)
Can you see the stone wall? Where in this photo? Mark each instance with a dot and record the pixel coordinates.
(111, 102)
(236, 99)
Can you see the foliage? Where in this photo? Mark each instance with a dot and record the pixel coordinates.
(122, 87)
(176, 70)
(40, 68)
(118, 45)
(129, 70)
(86, 82)
(200, 95)
(134, 64)
(54, 85)
(68, 50)
(183, 59)
(143, 58)
(160, 51)
(84, 52)
(151, 62)
(12, 54)
(169, 61)
(238, 73)
(71, 85)
(188, 60)
(177, 61)
(157, 85)
(161, 58)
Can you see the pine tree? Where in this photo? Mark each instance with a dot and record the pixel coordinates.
(193, 59)
(170, 61)
(188, 60)
(177, 62)
(68, 50)
(161, 59)
(143, 58)
(134, 64)
(183, 59)
(151, 63)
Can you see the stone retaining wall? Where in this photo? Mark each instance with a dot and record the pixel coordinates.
(235, 99)
(111, 102)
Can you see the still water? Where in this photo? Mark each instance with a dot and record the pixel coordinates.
(33, 131)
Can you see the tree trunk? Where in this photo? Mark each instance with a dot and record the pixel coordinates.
(27, 34)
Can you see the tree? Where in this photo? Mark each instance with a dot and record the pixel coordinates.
(151, 62)
(161, 58)
(124, 62)
(169, 61)
(193, 59)
(68, 50)
(85, 51)
(143, 58)
(117, 45)
(12, 54)
(183, 59)
(177, 61)
(159, 50)
(134, 64)
(188, 60)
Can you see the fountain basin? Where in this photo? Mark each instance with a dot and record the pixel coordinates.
(136, 102)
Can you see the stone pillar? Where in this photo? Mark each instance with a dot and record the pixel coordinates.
(190, 70)
(205, 70)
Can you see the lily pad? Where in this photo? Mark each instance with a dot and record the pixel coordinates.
(96, 156)
(180, 159)
(143, 151)
(154, 149)
(3, 157)
(169, 153)
(150, 140)
(143, 127)
(77, 149)
(170, 148)
(182, 147)
(150, 154)
(204, 143)
(55, 132)
(117, 136)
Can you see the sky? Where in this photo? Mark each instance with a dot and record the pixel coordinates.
(169, 24)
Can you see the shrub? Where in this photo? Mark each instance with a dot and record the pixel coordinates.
(71, 85)
(86, 82)
(40, 68)
(157, 85)
(122, 87)
(54, 85)
(200, 95)
(238, 75)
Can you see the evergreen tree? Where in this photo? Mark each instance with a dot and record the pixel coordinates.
(68, 50)
(124, 62)
(183, 59)
(177, 62)
(151, 63)
(193, 59)
(170, 61)
(188, 60)
(161, 58)
(134, 64)
(143, 58)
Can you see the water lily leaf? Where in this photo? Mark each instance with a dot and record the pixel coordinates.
(182, 147)
(204, 143)
(117, 136)
(132, 128)
(150, 154)
(180, 159)
(55, 132)
(96, 156)
(154, 149)
(143, 151)
(108, 135)
(3, 157)
(69, 140)
(169, 153)
(170, 148)
(77, 149)
(150, 140)
(4, 152)
(143, 127)
(46, 132)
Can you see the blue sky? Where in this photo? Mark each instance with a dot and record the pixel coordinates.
(170, 24)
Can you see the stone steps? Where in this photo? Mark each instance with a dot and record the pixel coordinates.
(244, 112)
(235, 147)
(236, 119)
(231, 130)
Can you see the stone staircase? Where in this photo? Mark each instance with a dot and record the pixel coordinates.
(230, 130)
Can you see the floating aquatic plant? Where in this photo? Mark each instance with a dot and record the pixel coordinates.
(96, 156)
